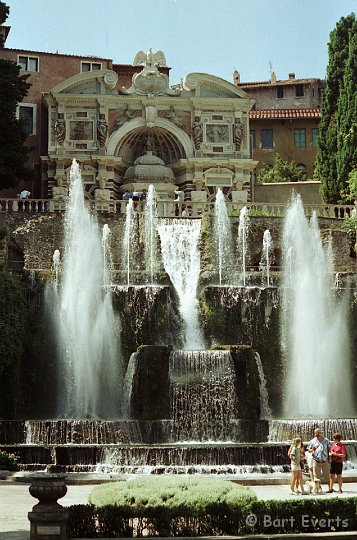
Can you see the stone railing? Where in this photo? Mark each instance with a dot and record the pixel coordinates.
(170, 208)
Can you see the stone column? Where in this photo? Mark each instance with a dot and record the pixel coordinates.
(48, 519)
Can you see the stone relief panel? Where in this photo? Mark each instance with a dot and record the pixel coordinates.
(217, 133)
(81, 131)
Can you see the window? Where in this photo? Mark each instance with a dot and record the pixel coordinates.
(90, 66)
(266, 137)
(27, 115)
(253, 142)
(315, 136)
(280, 92)
(28, 63)
(299, 90)
(300, 138)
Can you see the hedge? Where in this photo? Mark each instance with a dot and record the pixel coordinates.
(162, 507)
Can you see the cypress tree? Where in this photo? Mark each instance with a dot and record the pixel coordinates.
(335, 154)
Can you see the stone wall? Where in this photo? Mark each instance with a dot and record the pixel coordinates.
(281, 192)
(37, 236)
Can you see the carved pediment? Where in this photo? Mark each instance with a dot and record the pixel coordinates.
(205, 85)
(91, 82)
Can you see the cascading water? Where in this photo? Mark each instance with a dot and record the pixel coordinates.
(181, 258)
(267, 256)
(150, 233)
(202, 394)
(265, 410)
(87, 326)
(314, 330)
(222, 238)
(242, 243)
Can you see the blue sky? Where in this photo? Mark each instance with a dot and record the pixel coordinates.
(211, 36)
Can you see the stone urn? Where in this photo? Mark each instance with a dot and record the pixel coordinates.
(48, 488)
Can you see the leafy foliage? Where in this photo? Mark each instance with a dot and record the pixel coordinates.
(217, 518)
(169, 493)
(337, 145)
(12, 331)
(8, 462)
(352, 184)
(13, 152)
(281, 171)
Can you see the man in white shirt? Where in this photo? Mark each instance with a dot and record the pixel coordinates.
(24, 194)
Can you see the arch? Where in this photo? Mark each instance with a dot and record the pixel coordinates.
(139, 123)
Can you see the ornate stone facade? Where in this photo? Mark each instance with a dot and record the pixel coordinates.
(199, 129)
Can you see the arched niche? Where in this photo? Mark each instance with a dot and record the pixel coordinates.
(168, 141)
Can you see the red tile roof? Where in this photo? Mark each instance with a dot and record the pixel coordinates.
(285, 113)
(284, 82)
(91, 57)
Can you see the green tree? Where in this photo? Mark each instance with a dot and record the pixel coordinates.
(13, 152)
(4, 13)
(337, 152)
(281, 171)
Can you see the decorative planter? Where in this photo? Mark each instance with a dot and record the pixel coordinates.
(48, 488)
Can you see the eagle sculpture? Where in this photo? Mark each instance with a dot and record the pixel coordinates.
(150, 58)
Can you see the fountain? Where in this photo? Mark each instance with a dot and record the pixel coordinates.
(86, 323)
(150, 233)
(128, 245)
(267, 257)
(56, 258)
(181, 258)
(242, 242)
(183, 407)
(222, 238)
(314, 327)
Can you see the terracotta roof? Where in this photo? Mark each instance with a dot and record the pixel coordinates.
(285, 113)
(89, 56)
(277, 83)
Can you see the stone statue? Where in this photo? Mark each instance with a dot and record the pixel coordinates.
(102, 130)
(60, 192)
(238, 134)
(171, 115)
(197, 133)
(125, 116)
(60, 130)
(150, 59)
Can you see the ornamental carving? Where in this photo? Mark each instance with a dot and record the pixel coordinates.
(150, 82)
(197, 133)
(238, 130)
(102, 130)
(60, 129)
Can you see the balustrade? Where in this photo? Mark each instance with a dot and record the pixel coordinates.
(169, 208)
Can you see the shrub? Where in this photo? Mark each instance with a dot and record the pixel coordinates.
(200, 507)
(8, 462)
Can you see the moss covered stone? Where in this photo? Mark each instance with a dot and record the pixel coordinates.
(151, 387)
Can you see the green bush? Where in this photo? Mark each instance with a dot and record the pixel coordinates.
(174, 493)
(8, 462)
(222, 512)
(349, 225)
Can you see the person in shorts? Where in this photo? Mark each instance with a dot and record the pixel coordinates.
(294, 454)
(337, 455)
